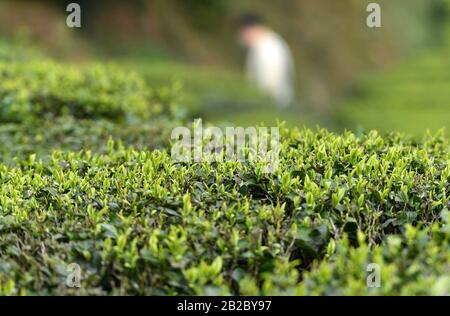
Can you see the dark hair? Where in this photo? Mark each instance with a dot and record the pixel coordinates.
(249, 19)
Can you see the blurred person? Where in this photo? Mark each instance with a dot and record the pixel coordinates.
(269, 63)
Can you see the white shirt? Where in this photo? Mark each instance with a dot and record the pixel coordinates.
(270, 66)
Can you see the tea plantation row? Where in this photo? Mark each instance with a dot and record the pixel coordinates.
(138, 223)
(86, 177)
(46, 105)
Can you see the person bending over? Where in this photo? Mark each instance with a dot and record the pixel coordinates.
(269, 62)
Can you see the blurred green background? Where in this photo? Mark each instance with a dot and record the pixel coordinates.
(394, 78)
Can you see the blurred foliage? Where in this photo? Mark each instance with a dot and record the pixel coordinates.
(204, 14)
(412, 97)
(329, 39)
(193, 43)
(216, 94)
(17, 52)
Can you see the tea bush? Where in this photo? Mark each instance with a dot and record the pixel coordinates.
(416, 263)
(45, 105)
(18, 141)
(137, 222)
(40, 89)
(17, 52)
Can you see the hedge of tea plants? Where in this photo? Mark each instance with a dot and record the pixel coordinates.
(46, 105)
(137, 222)
(17, 52)
(86, 178)
(34, 89)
